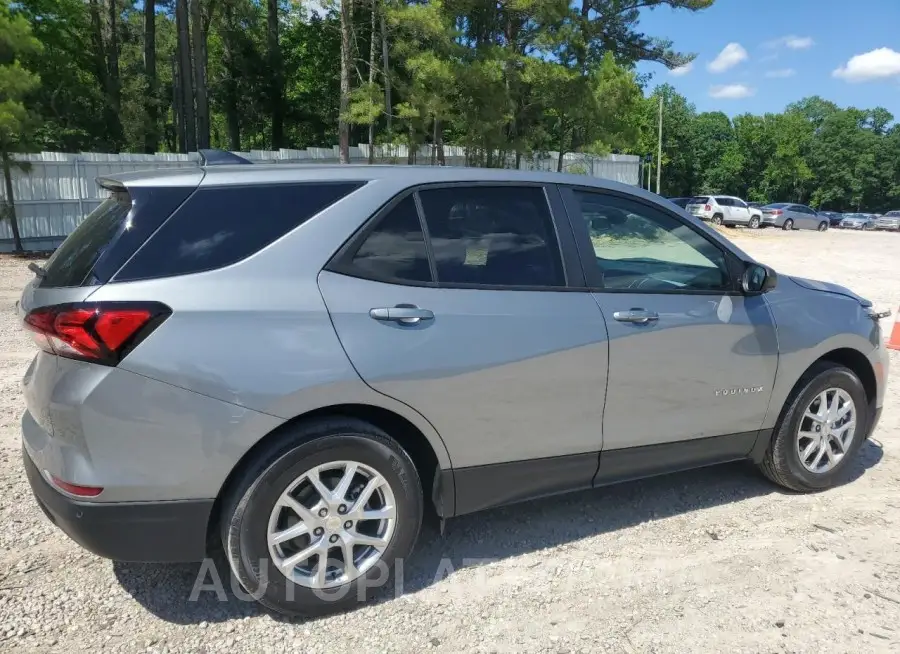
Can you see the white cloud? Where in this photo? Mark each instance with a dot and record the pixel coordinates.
(682, 70)
(792, 42)
(781, 73)
(731, 55)
(877, 64)
(731, 91)
(768, 58)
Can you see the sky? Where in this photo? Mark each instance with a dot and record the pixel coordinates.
(758, 56)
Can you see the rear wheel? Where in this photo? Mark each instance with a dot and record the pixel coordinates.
(754, 222)
(820, 430)
(788, 225)
(823, 226)
(717, 219)
(316, 524)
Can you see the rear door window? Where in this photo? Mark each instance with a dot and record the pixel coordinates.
(219, 226)
(394, 251)
(492, 236)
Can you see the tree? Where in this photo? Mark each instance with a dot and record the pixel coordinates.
(276, 73)
(346, 63)
(185, 106)
(151, 101)
(198, 41)
(16, 83)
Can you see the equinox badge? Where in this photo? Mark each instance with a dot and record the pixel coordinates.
(738, 391)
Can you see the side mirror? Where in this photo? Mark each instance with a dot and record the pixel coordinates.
(758, 279)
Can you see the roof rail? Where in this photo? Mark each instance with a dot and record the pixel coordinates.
(221, 158)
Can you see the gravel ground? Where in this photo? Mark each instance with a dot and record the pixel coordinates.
(713, 560)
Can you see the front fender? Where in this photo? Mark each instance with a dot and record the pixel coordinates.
(809, 325)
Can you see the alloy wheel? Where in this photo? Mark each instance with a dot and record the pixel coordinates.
(331, 524)
(826, 430)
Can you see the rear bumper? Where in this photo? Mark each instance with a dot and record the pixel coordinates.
(147, 531)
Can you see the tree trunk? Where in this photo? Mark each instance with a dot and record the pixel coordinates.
(373, 50)
(184, 74)
(198, 38)
(101, 74)
(559, 160)
(151, 99)
(276, 75)
(346, 59)
(11, 202)
(115, 84)
(439, 137)
(410, 147)
(178, 107)
(386, 73)
(230, 95)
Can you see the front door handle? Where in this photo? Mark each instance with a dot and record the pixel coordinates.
(639, 316)
(405, 314)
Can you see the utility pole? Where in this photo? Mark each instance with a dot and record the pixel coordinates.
(659, 149)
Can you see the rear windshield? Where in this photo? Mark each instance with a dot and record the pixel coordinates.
(776, 205)
(700, 199)
(892, 214)
(73, 261)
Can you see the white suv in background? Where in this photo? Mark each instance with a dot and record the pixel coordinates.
(724, 210)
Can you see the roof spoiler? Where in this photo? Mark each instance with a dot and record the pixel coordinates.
(221, 158)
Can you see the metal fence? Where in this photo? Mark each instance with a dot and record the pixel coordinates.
(53, 191)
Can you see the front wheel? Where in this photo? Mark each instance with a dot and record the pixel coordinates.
(788, 225)
(754, 222)
(823, 226)
(317, 524)
(820, 430)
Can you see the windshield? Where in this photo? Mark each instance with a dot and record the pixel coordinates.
(892, 214)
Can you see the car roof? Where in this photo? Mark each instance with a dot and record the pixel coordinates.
(225, 175)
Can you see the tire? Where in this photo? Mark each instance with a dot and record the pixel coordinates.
(781, 462)
(248, 509)
(717, 219)
(823, 226)
(754, 222)
(788, 225)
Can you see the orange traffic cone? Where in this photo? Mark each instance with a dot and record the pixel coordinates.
(894, 341)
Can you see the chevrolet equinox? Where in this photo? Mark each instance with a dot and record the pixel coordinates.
(302, 360)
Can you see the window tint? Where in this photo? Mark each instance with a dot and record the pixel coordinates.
(395, 249)
(72, 262)
(498, 236)
(892, 214)
(636, 247)
(220, 226)
(724, 202)
(700, 199)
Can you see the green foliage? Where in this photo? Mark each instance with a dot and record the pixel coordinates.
(16, 80)
(814, 152)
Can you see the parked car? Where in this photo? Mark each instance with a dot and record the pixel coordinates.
(793, 216)
(681, 202)
(302, 360)
(889, 221)
(724, 210)
(858, 221)
(834, 218)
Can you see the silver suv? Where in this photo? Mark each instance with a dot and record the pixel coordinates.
(300, 361)
(724, 210)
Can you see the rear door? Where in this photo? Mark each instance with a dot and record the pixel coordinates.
(690, 357)
(454, 300)
(740, 211)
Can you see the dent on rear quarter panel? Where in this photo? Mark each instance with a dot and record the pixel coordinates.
(810, 324)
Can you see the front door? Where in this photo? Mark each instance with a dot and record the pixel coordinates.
(469, 322)
(690, 357)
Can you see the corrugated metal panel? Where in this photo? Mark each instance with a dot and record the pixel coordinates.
(55, 190)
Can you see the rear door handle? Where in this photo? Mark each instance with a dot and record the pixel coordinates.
(639, 316)
(405, 314)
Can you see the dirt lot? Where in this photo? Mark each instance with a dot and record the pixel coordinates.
(714, 560)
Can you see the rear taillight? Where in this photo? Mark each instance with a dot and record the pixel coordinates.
(707, 208)
(99, 332)
(777, 212)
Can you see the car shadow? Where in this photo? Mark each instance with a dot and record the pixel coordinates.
(195, 593)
